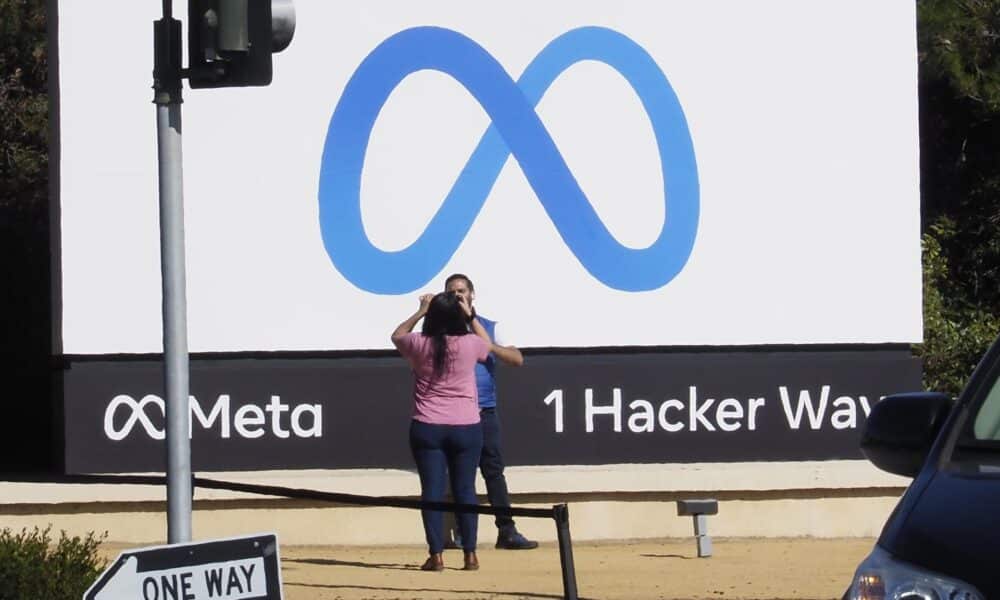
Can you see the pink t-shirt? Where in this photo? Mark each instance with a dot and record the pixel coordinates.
(451, 398)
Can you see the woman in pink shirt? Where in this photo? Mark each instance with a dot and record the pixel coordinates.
(446, 437)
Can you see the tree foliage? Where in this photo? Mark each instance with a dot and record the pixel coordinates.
(23, 102)
(959, 44)
(959, 40)
(25, 296)
(25, 266)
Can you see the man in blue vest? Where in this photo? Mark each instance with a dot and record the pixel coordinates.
(491, 463)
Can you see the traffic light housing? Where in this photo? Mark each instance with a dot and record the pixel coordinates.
(230, 42)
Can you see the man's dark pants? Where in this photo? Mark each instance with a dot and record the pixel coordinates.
(491, 466)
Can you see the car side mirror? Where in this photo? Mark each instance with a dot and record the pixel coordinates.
(901, 428)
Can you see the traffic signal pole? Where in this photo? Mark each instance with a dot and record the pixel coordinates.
(230, 45)
(167, 98)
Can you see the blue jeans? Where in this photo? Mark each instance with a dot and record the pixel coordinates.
(447, 452)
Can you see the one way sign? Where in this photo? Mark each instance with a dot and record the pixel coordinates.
(229, 569)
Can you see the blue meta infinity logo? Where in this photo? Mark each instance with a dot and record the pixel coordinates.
(515, 129)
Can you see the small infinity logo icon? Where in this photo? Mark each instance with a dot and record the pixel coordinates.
(515, 129)
(138, 415)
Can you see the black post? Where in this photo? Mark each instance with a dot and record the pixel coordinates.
(560, 512)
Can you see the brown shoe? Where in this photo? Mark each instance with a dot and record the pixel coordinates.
(434, 562)
(471, 562)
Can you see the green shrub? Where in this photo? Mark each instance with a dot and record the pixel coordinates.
(955, 334)
(33, 566)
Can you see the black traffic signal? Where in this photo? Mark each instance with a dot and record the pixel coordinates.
(230, 42)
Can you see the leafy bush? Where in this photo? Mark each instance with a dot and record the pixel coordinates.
(955, 334)
(33, 566)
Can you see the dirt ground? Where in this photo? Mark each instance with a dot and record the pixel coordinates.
(669, 569)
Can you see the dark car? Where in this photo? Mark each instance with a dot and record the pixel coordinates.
(942, 541)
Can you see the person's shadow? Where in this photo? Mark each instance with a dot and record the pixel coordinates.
(473, 593)
(332, 562)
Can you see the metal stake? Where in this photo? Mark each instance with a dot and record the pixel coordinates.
(561, 515)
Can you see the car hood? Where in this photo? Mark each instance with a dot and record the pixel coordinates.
(953, 529)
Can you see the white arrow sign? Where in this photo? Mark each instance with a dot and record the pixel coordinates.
(230, 569)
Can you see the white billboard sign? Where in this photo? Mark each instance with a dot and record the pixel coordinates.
(607, 173)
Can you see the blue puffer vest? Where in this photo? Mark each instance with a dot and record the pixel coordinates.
(486, 372)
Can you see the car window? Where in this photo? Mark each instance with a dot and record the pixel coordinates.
(986, 425)
(979, 439)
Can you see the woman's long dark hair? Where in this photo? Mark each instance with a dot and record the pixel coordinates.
(444, 317)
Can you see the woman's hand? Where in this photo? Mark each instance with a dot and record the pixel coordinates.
(425, 302)
(407, 326)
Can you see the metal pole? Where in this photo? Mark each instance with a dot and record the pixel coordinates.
(561, 514)
(167, 97)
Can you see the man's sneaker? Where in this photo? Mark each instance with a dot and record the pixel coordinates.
(515, 541)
